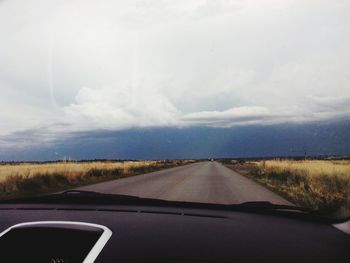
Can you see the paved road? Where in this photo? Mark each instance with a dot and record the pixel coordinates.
(208, 182)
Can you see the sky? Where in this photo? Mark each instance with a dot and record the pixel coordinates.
(77, 67)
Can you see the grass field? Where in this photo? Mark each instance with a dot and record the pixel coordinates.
(27, 179)
(321, 185)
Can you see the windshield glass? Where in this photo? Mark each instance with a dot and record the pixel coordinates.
(220, 102)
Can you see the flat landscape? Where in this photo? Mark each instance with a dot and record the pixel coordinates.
(322, 185)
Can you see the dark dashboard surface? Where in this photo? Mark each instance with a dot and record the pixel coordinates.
(48, 242)
(149, 234)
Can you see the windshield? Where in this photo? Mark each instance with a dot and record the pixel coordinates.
(220, 102)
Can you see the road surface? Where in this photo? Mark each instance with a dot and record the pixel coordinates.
(208, 182)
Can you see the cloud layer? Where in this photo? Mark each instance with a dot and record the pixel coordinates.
(84, 65)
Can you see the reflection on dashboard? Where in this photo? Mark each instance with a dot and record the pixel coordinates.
(55, 242)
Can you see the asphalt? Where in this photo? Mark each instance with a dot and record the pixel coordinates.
(206, 182)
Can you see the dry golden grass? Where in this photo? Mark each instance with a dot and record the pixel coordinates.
(27, 179)
(66, 168)
(318, 184)
(309, 167)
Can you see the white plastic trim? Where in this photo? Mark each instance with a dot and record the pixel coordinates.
(344, 227)
(96, 249)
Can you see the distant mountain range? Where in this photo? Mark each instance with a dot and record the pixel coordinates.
(196, 142)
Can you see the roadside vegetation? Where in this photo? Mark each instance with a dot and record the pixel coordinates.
(321, 185)
(27, 179)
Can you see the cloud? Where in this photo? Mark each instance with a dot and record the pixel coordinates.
(335, 108)
(230, 117)
(121, 107)
(88, 65)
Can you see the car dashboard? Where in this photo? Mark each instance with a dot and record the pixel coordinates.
(68, 233)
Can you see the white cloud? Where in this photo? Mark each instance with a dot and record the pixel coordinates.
(230, 117)
(121, 64)
(121, 107)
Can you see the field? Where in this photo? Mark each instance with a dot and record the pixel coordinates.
(321, 185)
(25, 179)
